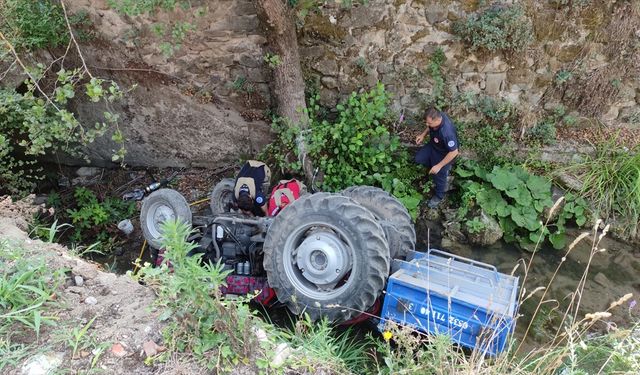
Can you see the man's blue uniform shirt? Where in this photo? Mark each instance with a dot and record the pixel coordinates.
(444, 139)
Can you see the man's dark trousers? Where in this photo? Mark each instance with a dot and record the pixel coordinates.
(429, 157)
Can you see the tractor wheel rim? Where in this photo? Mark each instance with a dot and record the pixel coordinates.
(159, 213)
(318, 258)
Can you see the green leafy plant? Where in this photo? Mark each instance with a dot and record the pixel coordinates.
(356, 148)
(544, 132)
(405, 350)
(438, 97)
(48, 233)
(273, 60)
(563, 76)
(174, 32)
(95, 220)
(475, 225)
(82, 25)
(78, 338)
(12, 354)
(32, 125)
(497, 28)
(240, 84)
(139, 7)
(490, 136)
(361, 63)
(325, 347)
(519, 201)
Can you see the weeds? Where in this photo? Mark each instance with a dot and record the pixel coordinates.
(611, 182)
(325, 348)
(11, 354)
(26, 286)
(78, 339)
(497, 28)
(48, 234)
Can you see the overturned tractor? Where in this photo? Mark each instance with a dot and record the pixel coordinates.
(325, 254)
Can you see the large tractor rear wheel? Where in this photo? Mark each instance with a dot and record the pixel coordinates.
(391, 214)
(326, 255)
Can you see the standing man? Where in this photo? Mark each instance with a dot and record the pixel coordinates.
(438, 154)
(253, 179)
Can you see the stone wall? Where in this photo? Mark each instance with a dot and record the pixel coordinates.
(199, 105)
(393, 40)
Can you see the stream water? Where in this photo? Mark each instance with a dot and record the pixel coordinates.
(609, 275)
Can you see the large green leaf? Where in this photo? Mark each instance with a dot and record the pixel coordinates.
(509, 228)
(490, 200)
(558, 240)
(521, 194)
(521, 173)
(463, 172)
(480, 172)
(525, 218)
(535, 235)
(503, 209)
(526, 244)
(503, 179)
(540, 187)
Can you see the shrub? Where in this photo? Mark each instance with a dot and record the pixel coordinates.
(498, 28)
(438, 93)
(544, 132)
(356, 148)
(31, 126)
(490, 133)
(30, 25)
(95, 220)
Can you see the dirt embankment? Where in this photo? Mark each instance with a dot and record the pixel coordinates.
(123, 329)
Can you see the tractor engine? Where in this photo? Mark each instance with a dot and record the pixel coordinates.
(236, 243)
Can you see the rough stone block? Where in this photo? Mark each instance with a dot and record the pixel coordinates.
(436, 13)
(496, 65)
(327, 67)
(493, 82)
(329, 82)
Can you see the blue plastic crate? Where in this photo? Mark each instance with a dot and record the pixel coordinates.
(442, 293)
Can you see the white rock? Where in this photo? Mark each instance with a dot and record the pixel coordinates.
(42, 364)
(78, 280)
(88, 171)
(283, 351)
(91, 300)
(261, 334)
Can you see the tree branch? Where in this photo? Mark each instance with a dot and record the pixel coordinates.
(84, 64)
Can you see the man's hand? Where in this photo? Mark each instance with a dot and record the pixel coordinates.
(420, 138)
(435, 169)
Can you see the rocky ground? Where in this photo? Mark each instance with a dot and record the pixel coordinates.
(123, 329)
